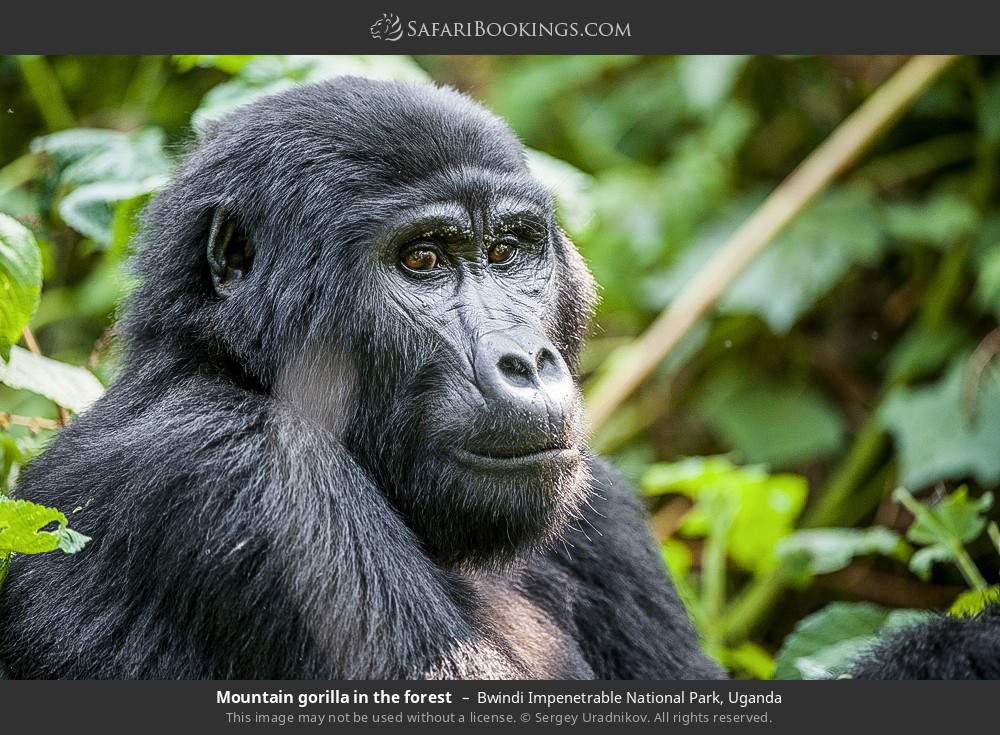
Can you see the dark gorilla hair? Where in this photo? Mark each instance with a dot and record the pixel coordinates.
(346, 441)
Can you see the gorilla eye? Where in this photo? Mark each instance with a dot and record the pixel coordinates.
(502, 252)
(420, 259)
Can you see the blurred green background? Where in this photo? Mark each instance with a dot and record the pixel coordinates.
(853, 357)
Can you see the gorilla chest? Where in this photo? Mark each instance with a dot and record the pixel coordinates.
(531, 635)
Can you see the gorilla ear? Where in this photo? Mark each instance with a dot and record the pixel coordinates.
(229, 252)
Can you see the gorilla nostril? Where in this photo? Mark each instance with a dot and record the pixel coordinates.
(516, 370)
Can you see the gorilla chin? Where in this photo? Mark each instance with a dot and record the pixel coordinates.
(475, 510)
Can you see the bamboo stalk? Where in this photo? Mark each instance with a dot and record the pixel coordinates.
(849, 141)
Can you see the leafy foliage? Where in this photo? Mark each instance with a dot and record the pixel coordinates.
(20, 281)
(761, 507)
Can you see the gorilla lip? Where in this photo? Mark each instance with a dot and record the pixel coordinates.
(531, 459)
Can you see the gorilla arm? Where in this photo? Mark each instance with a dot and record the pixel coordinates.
(231, 540)
(630, 623)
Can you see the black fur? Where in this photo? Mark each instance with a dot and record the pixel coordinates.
(945, 648)
(276, 484)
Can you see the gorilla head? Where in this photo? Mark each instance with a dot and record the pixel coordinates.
(378, 256)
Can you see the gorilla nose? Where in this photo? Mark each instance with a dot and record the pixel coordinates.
(526, 373)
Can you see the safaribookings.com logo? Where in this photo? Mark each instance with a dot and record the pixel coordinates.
(390, 28)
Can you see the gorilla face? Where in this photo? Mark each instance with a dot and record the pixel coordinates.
(483, 440)
(385, 261)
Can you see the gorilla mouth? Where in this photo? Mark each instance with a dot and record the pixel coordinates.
(543, 457)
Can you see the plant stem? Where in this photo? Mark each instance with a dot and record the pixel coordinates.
(45, 90)
(844, 146)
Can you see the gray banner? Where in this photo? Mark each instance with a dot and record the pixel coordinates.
(220, 707)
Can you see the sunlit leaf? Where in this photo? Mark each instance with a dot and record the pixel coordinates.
(825, 644)
(973, 602)
(72, 387)
(763, 507)
(100, 168)
(20, 281)
(21, 529)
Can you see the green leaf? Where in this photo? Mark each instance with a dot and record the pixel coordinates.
(21, 524)
(925, 349)
(956, 514)
(89, 155)
(923, 561)
(90, 209)
(101, 168)
(707, 80)
(825, 644)
(264, 75)
(940, 220)
(934, 437)
(20, 281)
(73, 387)
(762, 507)
(805, 262)
(972, 602)
(988, 110)
(945, 526)
(777, 423)
(825, 550)
(748, 658)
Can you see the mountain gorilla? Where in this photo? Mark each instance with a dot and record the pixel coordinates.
(347, 438)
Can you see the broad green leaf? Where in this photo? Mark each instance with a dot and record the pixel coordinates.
(20, 281)
(973, 602)
(707, 79)
(261, 76)
(777, 423)
(825, 550)
(21, 524)
(924, 350)
(101, 168)
(87, 155)
(72, 387)
(825, 644)
(935, 438)
(986, 256)
(940, 220)
(90, 209)
(804, 263)
(762, 507)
